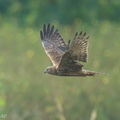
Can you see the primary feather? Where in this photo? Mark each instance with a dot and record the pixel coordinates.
(53, 43)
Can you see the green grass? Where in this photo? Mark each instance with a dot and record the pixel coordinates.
(26, 93)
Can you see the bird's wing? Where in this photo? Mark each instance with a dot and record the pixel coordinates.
(77, 51)
(79, 47)
(53, 43)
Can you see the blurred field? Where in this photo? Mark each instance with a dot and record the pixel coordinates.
(26, 93)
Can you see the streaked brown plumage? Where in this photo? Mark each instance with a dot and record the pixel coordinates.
(65, 56)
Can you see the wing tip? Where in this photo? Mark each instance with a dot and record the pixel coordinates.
(44, 26)
(84, 34)
(81, 33)
(88, 37)
(76, 33)
(49, 24)
(47, 31)
(41, 35)
(56, 31)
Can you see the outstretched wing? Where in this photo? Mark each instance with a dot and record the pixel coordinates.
(53, 44)
(79, 47)
(78, 51)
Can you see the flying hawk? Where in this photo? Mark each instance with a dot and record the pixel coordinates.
(64, 56)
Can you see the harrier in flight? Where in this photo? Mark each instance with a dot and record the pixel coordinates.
(64, 56)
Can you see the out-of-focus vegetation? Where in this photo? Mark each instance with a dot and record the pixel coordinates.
(26, 93)
(35, 12)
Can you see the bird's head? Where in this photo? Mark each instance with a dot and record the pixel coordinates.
(51, 70)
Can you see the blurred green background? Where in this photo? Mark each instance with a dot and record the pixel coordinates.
(26, 93)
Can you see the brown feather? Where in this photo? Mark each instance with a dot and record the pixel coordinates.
(53, 43)
(79, 46)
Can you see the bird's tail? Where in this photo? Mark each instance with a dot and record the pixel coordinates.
(92, 73)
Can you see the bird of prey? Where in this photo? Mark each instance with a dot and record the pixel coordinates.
(65, 56)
